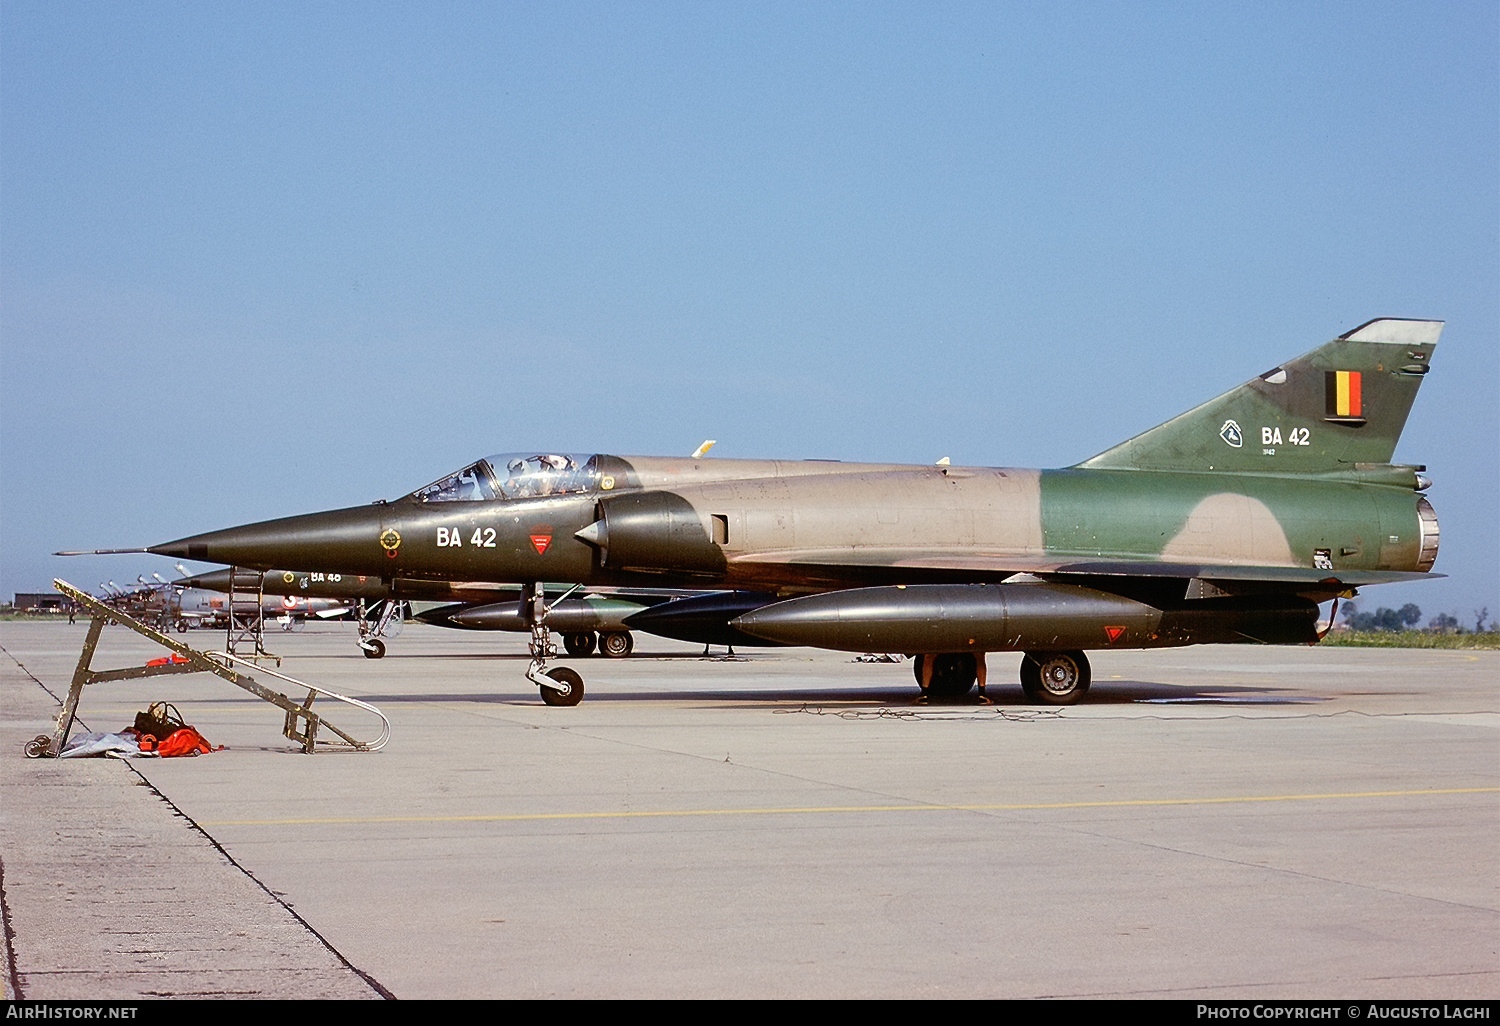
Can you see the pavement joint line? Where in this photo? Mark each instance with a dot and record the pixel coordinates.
(805, 810)
(280, 899)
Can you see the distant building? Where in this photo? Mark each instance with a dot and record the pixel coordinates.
(44, 602)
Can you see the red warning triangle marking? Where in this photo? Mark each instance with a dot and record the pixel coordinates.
(1114, 633)
(540, 543)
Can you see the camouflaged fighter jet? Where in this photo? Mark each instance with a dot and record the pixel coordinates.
(1229, 523)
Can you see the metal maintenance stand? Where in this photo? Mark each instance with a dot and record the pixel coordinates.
(247, 640)
(302, 723)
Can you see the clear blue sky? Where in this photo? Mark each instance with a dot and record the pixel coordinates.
(261, 259)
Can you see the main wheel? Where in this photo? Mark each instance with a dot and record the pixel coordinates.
(1055, 678)
(953, 675)
(37, 746)
(376, 649)
(616, 644)
(1031, 679)
(579, 645)
(563, 675)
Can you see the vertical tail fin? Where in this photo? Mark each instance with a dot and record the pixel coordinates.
(1345, 402)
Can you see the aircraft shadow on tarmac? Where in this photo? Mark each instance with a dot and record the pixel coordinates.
(1002, 692)
(1003, 696)
(523, 657)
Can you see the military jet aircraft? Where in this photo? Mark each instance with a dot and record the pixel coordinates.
(1228, 523)
(178, 604)
(200, 607)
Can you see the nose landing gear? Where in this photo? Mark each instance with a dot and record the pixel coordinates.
(376, 621)
(559, 685)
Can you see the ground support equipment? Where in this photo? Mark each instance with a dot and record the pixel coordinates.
(302, 724)
(247, 637)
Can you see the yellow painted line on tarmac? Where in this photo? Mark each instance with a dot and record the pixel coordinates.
(522, 817)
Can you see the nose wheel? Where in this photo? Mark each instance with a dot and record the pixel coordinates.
(563, 678)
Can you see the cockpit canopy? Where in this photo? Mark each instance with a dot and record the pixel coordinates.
(516, 475)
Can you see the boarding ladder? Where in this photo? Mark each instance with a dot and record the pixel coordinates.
(302, 724)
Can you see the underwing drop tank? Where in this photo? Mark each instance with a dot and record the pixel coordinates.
(565, 617)
(1046, 617)
(703, 619)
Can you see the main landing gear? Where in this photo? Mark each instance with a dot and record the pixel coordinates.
(946, 677)
(1047, 678)
(1055, 678)
(614, 644)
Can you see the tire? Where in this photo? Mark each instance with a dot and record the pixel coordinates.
(1055, 678)
(376, 649)
(1031, 680)
(616, 644)
(563, 675)
(953, 675)
(580, 645)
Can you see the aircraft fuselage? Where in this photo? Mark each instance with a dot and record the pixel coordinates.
(755, 525)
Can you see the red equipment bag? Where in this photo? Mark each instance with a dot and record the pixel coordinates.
(186, 741)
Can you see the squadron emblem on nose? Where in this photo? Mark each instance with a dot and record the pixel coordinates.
(390, 540)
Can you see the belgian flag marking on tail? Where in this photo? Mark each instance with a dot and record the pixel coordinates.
(1369, 378)
(1344, 400)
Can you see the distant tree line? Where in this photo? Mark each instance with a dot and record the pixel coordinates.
(1408, 617)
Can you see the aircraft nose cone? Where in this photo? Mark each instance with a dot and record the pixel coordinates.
(702, 619)
(341, 540)
(497, 616)
(440, 616)
(213, 580)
